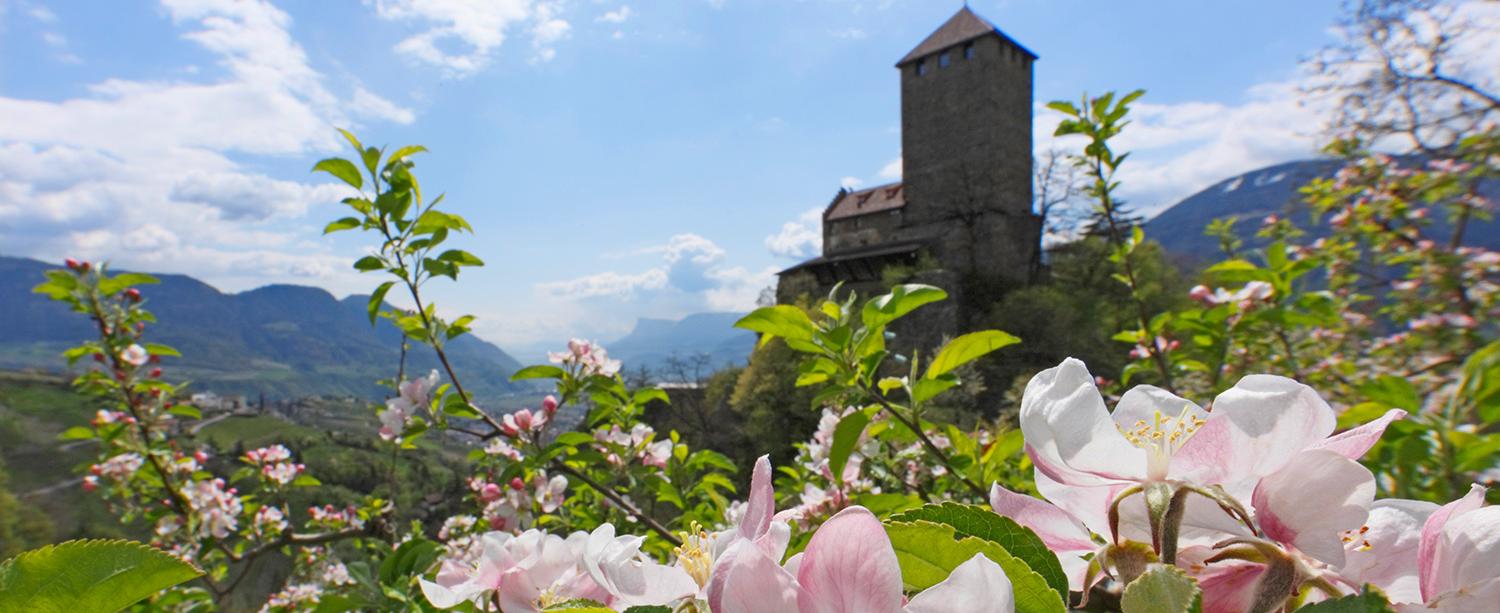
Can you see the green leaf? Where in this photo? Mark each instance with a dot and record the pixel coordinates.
(344, 169)
(188, 411)
(887, 308)
(306, 481)
(982, 523)
(928, 553)
(845, 436)
(377, 299)
(162, 350)
(1163, 589)
(368, 263)
(782, 320)
(349, 136)
(927, 389)
(539, 371)
(88, 576)
(460, 257)
(454, 405)
(412, 557)
(400, 154)
(76, 433)
(1368, 601)
(968, 348)
(347, 223)
(1480, 385)
(120, 282)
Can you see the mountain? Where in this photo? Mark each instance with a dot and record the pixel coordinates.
(654, 341)
(285, 341)
(1273, 189)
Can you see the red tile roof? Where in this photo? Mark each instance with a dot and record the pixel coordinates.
(876, 199)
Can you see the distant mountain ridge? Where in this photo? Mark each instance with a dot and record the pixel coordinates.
(654, 341)
(1271, 190)
(285, 341)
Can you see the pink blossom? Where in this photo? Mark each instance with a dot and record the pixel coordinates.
(134, 355)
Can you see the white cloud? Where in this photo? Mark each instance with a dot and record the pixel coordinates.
(461, 36)
(690, 277)
(891, 171)
(618, 15)
(850, 33)
(798, 239)
(366, 103)
(42, 14)
(850, 183)
(152, 175)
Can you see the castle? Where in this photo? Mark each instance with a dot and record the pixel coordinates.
(961, 218)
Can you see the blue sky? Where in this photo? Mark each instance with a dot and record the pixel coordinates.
(619, 158)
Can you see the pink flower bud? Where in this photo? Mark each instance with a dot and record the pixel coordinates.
(517, 484)
(90, 485)
(133, 294)
(200, 456)
(497, 523)
(489, 493)
(523, 419)
(71, 263)
(1201, 293)
(99, 357)
(155, 373)
(549, 405)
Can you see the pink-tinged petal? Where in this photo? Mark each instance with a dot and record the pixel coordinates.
(1229, 587)
(519, 592)
(1354, 442)
(1470, 599)
(1470, 548)
(1313, 500)
(663, 585)
(1436, 569)
(1060, 531)
(1266, 421)
(1063, 534)
(1069, 432)
(762, 502)
(976, 586)
(1089, 505)
(746, 580)
(1385, 553)
(850, 567)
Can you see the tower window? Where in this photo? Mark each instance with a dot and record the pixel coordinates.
(943, 59)
(969, 51)
(921, 67)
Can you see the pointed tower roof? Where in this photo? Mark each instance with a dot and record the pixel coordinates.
(962, 27)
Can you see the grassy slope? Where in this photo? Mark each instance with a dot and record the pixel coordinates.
(336, 440)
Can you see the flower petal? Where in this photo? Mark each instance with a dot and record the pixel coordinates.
(1435, 568)
(762, 502)
(1385, 554)
(1470, 550)
(1354, 442)
(1310, 502)
(746, 580)
(1060, 531)
(1143, 402)
(1255, 429)
(1070, 434)
(850, 567)
(978, 586)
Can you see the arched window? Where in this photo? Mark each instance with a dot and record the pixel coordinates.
(969, 51)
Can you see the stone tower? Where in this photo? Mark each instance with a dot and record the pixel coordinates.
(962, 216)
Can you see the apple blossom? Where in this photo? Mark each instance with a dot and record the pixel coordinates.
(134, 355)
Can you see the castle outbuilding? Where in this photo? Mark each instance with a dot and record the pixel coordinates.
(961, 217)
